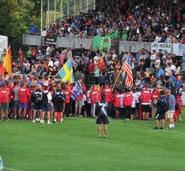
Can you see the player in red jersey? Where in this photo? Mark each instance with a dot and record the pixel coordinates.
(95, 99)
(67, 93)
(117, 103)
(24, 97)
(4, 100)
(127, 103)
(145, 98)
(107, 91)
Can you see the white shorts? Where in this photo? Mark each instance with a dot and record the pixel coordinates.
(170, 114)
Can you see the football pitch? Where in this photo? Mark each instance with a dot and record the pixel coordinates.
(74, 146)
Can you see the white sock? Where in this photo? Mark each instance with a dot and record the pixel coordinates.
(170, 125)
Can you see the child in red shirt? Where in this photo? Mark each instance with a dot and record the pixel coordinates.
(24, 97)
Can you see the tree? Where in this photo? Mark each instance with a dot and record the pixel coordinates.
(15, 19)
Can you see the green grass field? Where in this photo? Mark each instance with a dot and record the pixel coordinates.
(74, 146)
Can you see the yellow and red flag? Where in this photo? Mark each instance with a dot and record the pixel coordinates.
(7, 62)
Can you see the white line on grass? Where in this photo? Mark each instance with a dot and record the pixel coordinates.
(11, 169)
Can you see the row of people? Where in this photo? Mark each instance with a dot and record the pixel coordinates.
(22, 101)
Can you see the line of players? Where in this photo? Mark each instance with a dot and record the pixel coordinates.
(20, 101)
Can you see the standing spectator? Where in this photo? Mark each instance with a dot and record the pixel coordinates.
(171, 110)
(29, 55)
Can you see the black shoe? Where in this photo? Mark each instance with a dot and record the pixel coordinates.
(156, 128)
(161, 128)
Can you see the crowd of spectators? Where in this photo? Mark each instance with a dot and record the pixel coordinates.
(160, 21)
(39, 67)
(99, 72)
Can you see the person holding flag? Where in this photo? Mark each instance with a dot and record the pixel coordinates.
(66, 72)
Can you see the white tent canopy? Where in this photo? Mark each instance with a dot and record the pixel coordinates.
(3, 44)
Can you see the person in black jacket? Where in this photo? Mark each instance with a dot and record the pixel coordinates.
(58, 100)
(36, 100)
(162, 108)
(102, 117)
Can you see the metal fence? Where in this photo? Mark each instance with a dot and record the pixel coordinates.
(86, 42)
(124, 46)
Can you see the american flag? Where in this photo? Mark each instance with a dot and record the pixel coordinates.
(129, 78)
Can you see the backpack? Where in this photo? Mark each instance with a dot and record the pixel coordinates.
(45, 97)
(38, 96)
(165, 104)
(59, 96)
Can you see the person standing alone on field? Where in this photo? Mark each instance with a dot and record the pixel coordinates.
(102, 117)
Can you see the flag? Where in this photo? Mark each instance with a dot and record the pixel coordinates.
(7, 62)
(129, 78)
(2, 69)
(66, 72)
(101, 43)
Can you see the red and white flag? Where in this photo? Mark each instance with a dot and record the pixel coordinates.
(129, 78)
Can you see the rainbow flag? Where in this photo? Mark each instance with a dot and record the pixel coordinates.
(66, 72)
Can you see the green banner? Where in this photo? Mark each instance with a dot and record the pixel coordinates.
(118, 35)
(101, 43)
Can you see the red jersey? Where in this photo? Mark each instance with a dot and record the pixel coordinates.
(95, 96)
(145, 97)
(155, 94)
(117, 101)
(5, 95)
(68, 95)
(108, 94)
(24, 94)
(127, 99)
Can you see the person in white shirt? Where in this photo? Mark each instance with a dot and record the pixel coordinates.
(84, 101)
(44, 33)
(136, 96)
(50, 63)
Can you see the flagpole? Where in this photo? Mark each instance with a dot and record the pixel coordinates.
(41, 16)
(117, 78)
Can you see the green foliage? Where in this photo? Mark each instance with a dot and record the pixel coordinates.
(16, 17)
